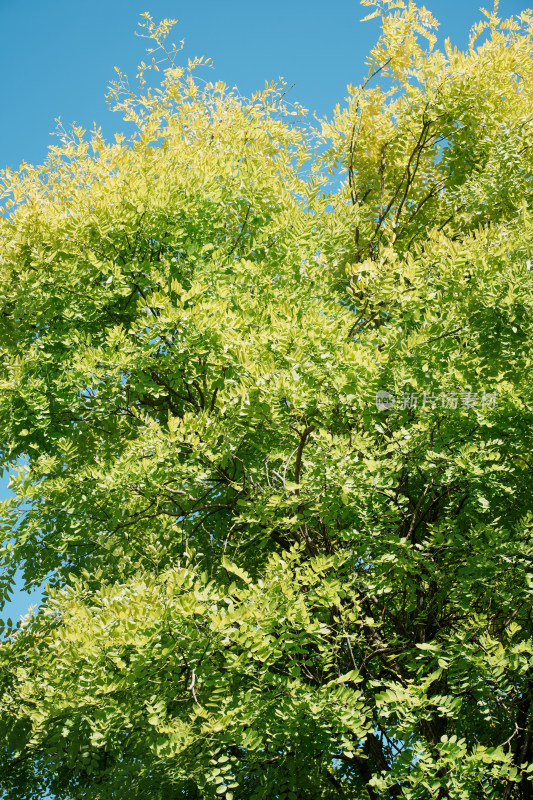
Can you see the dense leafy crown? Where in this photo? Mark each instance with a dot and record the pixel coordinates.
(262, 583)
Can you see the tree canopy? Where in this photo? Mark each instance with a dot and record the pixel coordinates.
(266, 403)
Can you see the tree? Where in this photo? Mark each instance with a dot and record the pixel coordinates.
(271, 434)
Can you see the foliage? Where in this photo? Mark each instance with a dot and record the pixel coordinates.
(261, 583)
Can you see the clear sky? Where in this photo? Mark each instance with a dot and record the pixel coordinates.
(57, 58)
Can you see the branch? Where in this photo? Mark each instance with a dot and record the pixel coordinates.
(297, 467)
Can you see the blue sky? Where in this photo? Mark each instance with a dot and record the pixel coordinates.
(57, 58)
